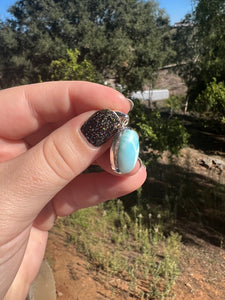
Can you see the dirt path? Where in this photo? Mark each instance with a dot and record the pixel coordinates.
(73, 278)
(202, 270)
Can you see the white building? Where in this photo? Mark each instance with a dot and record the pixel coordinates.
(151, 95)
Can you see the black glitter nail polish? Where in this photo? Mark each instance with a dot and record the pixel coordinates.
(101, 126)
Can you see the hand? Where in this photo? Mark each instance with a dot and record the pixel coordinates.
(42, 156)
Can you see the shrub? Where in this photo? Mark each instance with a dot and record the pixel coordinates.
(69, 68)
(211, 102)
(157, 132)
(175, 102)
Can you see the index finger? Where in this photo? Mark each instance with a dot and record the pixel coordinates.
(25, 109)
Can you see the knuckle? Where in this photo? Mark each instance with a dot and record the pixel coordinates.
(56, 157)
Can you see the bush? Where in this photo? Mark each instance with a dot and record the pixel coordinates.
(175, 102)
(211, 103)
(157, 132)
(69, 68)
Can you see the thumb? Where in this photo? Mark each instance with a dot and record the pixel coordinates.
(34, 178)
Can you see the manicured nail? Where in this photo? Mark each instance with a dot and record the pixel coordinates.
(101, 126)
(124, 151)
(131, 104)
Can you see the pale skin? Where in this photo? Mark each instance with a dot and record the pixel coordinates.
(42, 156)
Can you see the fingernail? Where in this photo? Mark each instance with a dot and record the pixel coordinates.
(131, 104)
(101, 126)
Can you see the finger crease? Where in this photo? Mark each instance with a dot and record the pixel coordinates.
(32, 109)
(48, 161)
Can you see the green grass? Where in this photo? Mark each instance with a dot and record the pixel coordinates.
(127, 247)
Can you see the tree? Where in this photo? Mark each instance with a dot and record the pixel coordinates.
(69, 69)
(201, 46)
(210, 19)
(29, 42)
(122, 38)
(135, 41)
(187, 51)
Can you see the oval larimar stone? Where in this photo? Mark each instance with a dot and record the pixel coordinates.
(124, 151)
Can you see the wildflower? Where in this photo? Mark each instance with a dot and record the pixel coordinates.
(156, 229)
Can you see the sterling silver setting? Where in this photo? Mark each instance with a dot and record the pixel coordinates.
(124, 120)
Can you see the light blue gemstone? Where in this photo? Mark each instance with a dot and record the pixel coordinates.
(128, 151)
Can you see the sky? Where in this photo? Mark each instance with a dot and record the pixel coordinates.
(4, 5)
(176, 9)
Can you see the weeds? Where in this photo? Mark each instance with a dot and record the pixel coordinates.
(127, 246)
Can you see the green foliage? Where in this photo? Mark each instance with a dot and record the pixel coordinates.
(124, 246)
(211, 102)
(28, 42)
(69, 69)
(186, 45)
(201, 47)
(126, 40)
(210, 21)
(175, 102)
(157, 132)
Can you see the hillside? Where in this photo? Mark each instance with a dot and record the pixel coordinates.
(197, 173)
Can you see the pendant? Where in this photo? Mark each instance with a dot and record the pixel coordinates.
(125, 147)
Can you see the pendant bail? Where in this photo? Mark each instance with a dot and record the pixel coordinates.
(124, 118)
